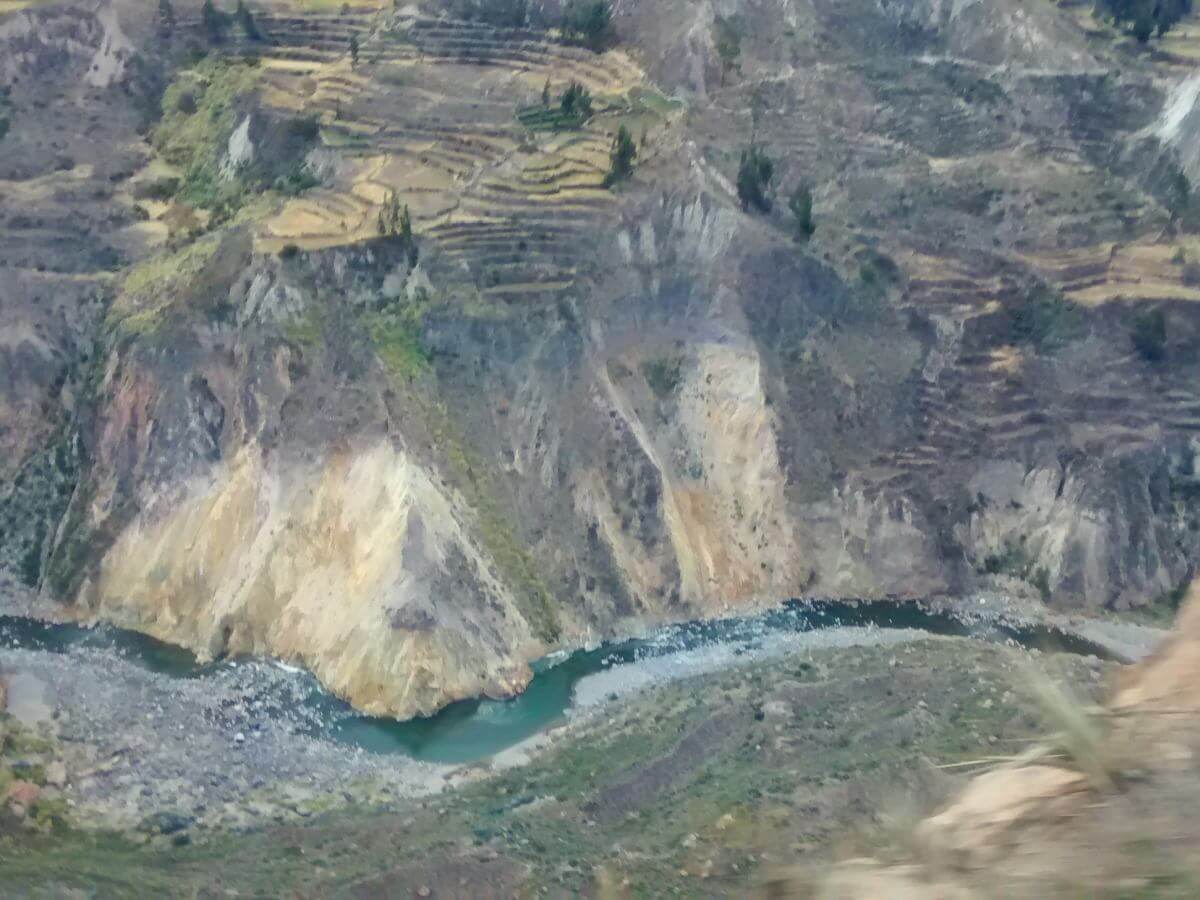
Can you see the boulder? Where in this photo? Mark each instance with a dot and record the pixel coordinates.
(56, 774)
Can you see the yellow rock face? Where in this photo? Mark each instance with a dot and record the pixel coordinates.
(332, 565)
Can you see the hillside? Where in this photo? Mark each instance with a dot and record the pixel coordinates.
(237, 417)
(1114, 820)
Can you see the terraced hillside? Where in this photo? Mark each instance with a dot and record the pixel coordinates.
(547, 405)
(449, 114)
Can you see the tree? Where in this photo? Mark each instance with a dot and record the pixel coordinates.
(389, 215)
(246, 21)
(354, 50)
(31, 562)
(755, 172)
(588, 22)
(395, 222)
(728, 42)
(546, 93)
(1144, 18)
(1043, 319)
(800, 204)
(621, 157)
(1150, 335)
(214, 22)
(576, 102)
(1143, 26)
(501, 13)
(166, 18)
(5, 115)
(758, 105)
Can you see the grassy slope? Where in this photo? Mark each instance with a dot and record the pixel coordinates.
(691, 789)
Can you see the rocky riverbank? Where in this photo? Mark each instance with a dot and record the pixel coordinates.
(243, 744)
(1125, 641)
(688, 786)
(226, 751)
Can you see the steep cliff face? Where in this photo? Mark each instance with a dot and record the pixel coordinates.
(229, 460)
(567, 409)
(1178, 125)
(72, 96)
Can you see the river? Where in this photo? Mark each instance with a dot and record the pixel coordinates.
(472, 730)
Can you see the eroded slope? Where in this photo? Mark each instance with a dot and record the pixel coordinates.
(567, 409)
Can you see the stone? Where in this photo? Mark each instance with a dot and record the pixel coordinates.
(777, 709)
(56, 773)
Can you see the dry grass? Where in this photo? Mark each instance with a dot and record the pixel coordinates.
(1103, 273)
(1080, 739)
(1080, 734)
(477, 173)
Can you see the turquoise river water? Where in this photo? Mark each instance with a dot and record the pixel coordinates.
(471, 730)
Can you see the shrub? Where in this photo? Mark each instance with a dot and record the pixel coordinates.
(1144, 17)
(396, 337)
(1043, 319)
(621, 157)
(755, 172)
(1149, 335)
(800, 205)
(502, 13)
(199, 112)
(1013, 560)
(5, 111)
(295, 182)
(1174, 597)
(31, 563)
(1041, 580)
(185, 103)
(663, 375)
(305, 128)
(588, 22)
(728, 42)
